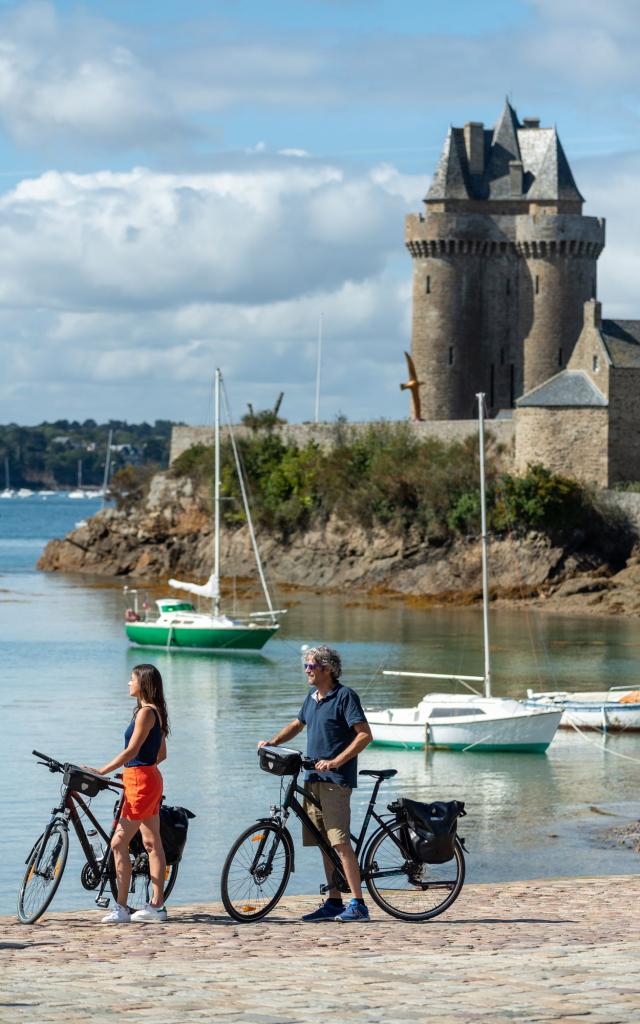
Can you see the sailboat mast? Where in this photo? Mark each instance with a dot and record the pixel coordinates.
(318, 364)
(107, 468)
(485, 549)
(216, 496)
(7, 484)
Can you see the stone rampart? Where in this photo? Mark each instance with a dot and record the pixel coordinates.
(326, 434)
(573, 442)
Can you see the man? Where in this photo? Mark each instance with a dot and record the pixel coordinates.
(337, 731)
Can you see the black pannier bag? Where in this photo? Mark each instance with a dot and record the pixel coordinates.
(174, 825)
(432, 827)
(280, 760)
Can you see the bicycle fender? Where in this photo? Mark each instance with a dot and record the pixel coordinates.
(42, 835)
(286, 838)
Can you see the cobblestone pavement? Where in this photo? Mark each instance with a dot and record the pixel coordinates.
(561, 950)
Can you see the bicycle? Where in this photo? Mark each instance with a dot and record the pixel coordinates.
(258, 866)
(47, 859)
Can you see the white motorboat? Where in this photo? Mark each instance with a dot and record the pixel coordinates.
(24, 492)
(470, 721)
(614, 710)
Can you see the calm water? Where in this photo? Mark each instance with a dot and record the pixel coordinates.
(65, 666)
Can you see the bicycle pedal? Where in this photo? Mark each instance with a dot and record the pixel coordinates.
(102, 901)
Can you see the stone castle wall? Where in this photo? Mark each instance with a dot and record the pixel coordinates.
(624, 424)
(324, 434)
(542, 435)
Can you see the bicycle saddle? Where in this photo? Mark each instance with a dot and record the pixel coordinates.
(386, 773)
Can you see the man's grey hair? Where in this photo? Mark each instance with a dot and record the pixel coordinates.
(324, 655)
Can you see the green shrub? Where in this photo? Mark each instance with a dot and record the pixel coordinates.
(388, 476)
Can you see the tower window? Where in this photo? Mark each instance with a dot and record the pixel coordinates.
(512, 385)
(450, 355)
(501, 357)
(559, 357)
(537, 284)
(596, 363)
(508, 286)
(492, 379)
(593, 288)
(428, 285)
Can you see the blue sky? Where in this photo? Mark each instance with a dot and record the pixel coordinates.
(186, 184)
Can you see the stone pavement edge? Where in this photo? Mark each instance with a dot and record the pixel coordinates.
(548, 950)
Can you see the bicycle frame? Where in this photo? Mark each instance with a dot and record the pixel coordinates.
(67, 811)
(291, 803)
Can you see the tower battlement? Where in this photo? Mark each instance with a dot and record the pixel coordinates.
(503, 262)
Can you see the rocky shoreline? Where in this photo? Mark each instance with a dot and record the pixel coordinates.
(170, 534)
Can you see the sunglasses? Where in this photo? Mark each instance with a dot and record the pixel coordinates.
(312, 666)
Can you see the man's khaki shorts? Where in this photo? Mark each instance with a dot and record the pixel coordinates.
(334, 819)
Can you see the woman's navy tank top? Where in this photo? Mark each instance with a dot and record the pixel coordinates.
(148, 753)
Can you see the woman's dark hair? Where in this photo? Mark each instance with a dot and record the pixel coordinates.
(151, 692)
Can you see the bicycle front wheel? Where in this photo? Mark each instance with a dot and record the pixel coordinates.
(256, 872)
(45, 866)
(407, 888)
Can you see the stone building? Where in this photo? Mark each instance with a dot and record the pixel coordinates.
(585, 421)
(503, 262)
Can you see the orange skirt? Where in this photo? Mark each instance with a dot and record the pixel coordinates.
(142, 792)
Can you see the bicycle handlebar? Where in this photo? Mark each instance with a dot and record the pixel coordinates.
(58, 766)
(49, 762)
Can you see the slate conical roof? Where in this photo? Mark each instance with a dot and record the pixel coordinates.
(450, 179)
(554, 179)
(546, 171)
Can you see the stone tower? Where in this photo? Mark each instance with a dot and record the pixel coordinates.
(503, 262)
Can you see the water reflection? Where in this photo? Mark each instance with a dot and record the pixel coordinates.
(63, 690)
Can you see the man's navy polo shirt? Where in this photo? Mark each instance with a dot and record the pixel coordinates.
(330, 723)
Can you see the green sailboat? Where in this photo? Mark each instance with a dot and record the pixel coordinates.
(177, 625)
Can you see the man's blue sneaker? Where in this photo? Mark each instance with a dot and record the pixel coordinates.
(354, 911)
(326, 911)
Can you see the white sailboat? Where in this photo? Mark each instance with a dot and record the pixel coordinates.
(7, 492)
(178, 626)
(469, 721)
(79, 492)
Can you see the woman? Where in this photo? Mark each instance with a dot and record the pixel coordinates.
(145, 745)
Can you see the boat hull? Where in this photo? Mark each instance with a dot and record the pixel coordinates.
(603, 715)
(183, 638)
(525, 733)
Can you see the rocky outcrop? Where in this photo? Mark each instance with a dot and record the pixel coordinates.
(172, 535)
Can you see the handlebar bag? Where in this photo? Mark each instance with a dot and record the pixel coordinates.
(432, 828)
(85, 783)
(280, 760)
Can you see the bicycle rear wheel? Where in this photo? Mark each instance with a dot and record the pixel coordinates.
(407, 888)
(45, 866)
(256, 872)
(140, 887)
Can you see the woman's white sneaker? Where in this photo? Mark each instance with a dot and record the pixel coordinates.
(119, 915)
(150, 914)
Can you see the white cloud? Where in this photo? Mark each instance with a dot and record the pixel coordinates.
(611, 186)
(71, 78)
(119, 281)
